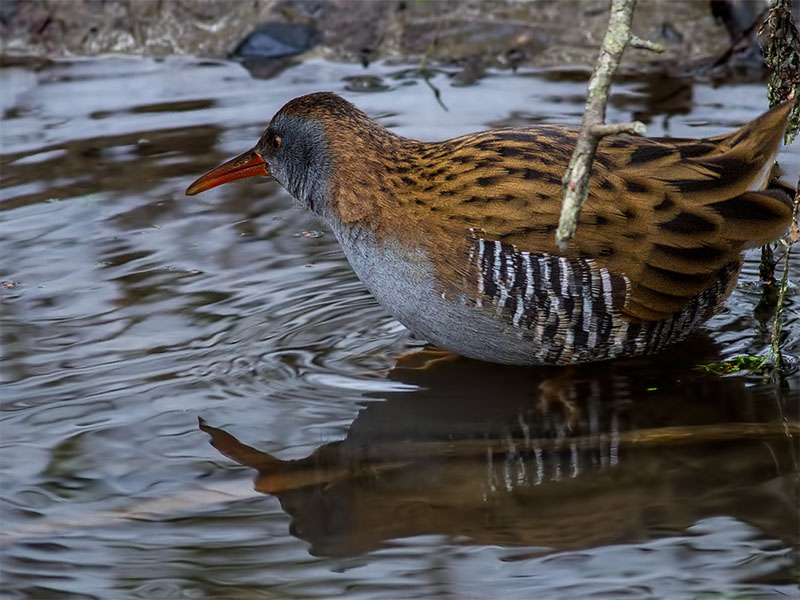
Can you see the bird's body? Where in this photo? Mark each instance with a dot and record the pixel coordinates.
(457, 238)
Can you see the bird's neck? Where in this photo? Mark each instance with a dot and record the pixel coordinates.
(373, 179)
(310, 189)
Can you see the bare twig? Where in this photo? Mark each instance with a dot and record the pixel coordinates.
(576, 179)
(637, 42)
(634, 128)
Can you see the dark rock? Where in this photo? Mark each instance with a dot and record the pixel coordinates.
(669, 34)
(365, 56)
(355, 28)
(277, 40)
(365, 83)
(267, 68)
(738, 16)
(8, 8)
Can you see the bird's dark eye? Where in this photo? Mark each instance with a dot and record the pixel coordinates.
(276, 143)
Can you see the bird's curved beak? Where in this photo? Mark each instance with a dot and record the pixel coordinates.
(247, 164)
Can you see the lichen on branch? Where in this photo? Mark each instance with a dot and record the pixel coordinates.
(782, 60)
(593, 128)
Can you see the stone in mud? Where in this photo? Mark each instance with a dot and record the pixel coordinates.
(365, 83)
(277, 40)
(472, 34)
(8, 8)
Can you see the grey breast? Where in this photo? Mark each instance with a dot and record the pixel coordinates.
(527, 308)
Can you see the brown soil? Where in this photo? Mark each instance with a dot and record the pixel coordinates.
(486, 33)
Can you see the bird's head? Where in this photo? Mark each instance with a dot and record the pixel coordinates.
(296, 149)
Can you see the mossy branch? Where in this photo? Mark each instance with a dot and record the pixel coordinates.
(593, 128)
(782, 59)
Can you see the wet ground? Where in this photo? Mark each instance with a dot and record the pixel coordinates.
(328, 462)
(478, 32)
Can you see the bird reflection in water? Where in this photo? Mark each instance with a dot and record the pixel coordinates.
(564, 459)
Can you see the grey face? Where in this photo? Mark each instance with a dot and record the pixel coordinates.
(296, 154)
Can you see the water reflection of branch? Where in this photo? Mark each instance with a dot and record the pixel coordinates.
(328, 465)
(504, 488)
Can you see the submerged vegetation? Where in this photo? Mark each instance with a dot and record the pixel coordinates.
(747, 364)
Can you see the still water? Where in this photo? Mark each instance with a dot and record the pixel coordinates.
(200, 400)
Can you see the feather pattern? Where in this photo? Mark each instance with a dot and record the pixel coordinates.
(671, 216)
(657, 249)
(668, 214)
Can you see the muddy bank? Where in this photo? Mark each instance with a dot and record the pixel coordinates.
(502, 33)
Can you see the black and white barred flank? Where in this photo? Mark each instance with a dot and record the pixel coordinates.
(573, 307)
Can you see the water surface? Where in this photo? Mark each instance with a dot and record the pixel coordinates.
(340, 465)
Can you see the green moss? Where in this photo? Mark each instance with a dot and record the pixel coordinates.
(746, 363)
(782, 59)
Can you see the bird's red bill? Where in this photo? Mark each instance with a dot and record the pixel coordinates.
(248, 164)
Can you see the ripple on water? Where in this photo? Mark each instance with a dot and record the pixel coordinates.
(132, 311)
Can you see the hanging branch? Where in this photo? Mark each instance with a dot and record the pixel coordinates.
(782, 59)
(593, 128)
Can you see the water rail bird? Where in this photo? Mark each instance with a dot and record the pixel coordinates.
(456, 239)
